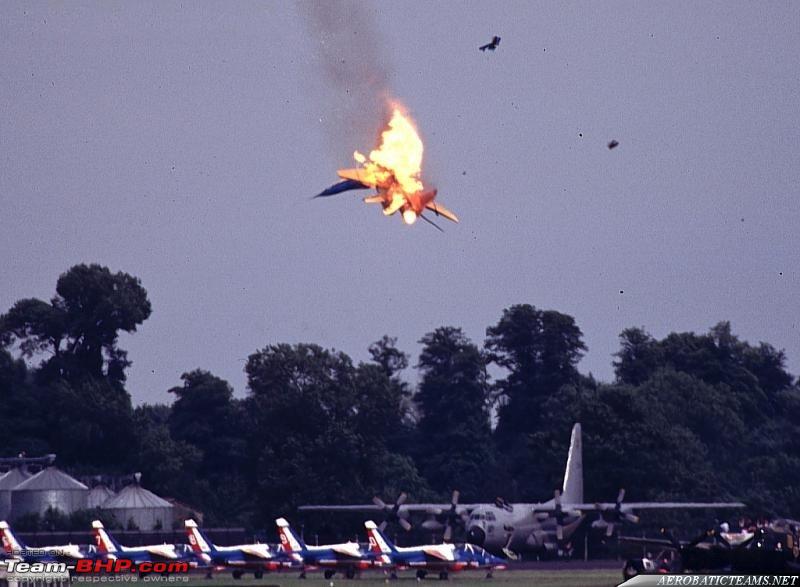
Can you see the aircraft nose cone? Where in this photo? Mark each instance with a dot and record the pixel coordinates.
(476, 536)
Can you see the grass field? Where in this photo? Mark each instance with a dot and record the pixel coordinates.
(565, 578)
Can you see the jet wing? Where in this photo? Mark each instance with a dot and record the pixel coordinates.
(362, 176)
(256, 551)
(439, 552)
(166, 551)
(342, 186)
(349, 549)
(440, 210)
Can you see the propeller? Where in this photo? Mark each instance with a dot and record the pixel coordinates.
(392, 512)
(620, 514)
(451, 516)
(559, 515)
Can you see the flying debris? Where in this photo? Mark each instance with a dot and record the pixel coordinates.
(394, 170)
(491, 46)
(613, 144)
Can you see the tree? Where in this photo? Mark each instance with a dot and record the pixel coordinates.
(307, 434)
(638, 358)
(540, 350)
(166, 464)
(81, 324)
(454, 434)
(206, 417)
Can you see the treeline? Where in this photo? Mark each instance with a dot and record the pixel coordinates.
(691, 416)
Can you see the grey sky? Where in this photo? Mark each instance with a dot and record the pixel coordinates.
(181, 142)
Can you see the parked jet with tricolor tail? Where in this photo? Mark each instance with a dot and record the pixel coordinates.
(14, 548)
(241, 557)
(347, 556)
(109, 548)
(438, 558)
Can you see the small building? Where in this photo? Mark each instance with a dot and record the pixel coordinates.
(49, 488)
(9, 481)
(137, 507)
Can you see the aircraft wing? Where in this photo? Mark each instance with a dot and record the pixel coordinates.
(347, 549)
(165, 551)
(359, 175)
(440, 210)
(439, 552)
(342, 186)
(640, 505)
(421, 508)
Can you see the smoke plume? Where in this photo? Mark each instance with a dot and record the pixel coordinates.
(350, 56)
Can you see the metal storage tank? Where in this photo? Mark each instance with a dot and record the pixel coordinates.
(98, 495)
(143, 508)
(50, 487)
(9, 481)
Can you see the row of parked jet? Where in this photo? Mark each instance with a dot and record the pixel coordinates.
(293, 554)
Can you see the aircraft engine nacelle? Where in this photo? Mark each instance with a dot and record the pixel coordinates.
(537, 539)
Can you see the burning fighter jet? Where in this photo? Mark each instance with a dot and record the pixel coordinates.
(394, 171)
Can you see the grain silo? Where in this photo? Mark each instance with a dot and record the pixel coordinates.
(9, 481)
(49, 488)
(98, 495)
(137, 507)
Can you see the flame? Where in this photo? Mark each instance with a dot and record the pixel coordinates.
(399, 155)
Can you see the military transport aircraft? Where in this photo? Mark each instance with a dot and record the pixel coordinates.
(346, 556)
(515, 528)
(109, 548)
(13, 547)
(442, 558)
(242, 557)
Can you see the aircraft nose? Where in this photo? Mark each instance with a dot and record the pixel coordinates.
(476, 535)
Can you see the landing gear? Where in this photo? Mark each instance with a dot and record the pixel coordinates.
(258, 574)
(302, 574)
(443, 576)
(328, 573)
(393, 576)
(350, 573)
(421, 574)
(489, 574)
(237, 574)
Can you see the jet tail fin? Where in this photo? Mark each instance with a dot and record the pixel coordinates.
(572, 491)
(378, 542)
(197, 539)
(11, 545)
(105, 543)
(289, 540)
